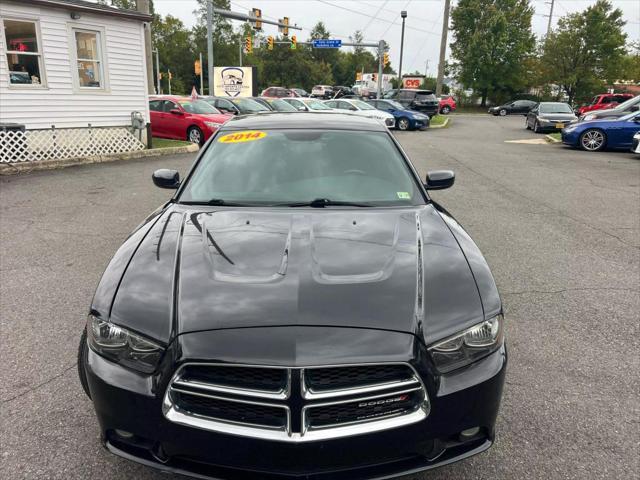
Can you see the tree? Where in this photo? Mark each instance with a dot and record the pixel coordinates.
(586, 51)
(173, 41)
(492, 40)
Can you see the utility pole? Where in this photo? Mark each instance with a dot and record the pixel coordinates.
(426, 68)
(201, 76)
(381, 45)
(240, 49)
(443, 47)
(169, 79)
(210, 45)
(157, 72)
(143, 7)
(550, 17)
(403, 14)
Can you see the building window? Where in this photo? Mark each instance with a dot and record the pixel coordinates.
(24, 54)
(89, 59)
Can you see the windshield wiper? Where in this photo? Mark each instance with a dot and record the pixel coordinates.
(217, 202)
(323, 202)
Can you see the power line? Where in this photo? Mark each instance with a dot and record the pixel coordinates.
(370, 16)
(375, 16)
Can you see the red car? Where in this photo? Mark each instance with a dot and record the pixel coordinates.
(181, 118)
(278, 92)
(447, 104)
(603, 101)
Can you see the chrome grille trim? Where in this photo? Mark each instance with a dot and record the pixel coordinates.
(309, 399)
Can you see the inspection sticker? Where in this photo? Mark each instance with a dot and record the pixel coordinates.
(240, 137)
(403, 195)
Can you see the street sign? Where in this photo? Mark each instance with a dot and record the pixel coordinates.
(327, 43)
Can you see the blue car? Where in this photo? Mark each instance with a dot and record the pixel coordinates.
(405, 119)
(600, 134)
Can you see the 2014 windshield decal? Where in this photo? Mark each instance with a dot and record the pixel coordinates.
(241, 137)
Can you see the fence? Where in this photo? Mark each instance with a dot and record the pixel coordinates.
(64, 143)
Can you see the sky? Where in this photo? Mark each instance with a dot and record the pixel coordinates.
(380, 19)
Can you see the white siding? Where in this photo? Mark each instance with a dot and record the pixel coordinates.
(60, 103)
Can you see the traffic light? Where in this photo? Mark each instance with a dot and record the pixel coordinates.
(248, 44)
(285, 30)
(258, 14)
(170, 75)
(385, 59)
(197, 67)
(269, 43)
(294, 42)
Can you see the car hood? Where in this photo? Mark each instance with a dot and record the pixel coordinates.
(215, 117)
(608, 112)
(204, 269)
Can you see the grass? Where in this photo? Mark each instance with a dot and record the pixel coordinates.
(556, 135)
(438, 120)
(166, 143)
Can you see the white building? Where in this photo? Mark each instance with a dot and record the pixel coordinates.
(75, 66)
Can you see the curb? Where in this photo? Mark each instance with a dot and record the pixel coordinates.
(26, 167)
(550, 139)
(444, 125)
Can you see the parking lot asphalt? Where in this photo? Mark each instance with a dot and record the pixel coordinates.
(559, 227)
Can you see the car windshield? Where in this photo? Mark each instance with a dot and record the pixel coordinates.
(316, 105)
(396, 105)
(297, 166)
(555, 108)
(362, 105)
(281, 106)
(629, 103)
(198, 106)
(248, 105)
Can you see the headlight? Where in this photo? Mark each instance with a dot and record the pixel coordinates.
(468, 346)
(570, 128)
(212, 125)
(121, 346)
(588, 117)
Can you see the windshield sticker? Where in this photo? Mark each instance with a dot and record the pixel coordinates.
(240, 137)
(403, 195)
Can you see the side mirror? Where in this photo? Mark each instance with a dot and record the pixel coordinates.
(636, 119)
(175, 111)
(440, 179)
(634, 108)
(165, 178)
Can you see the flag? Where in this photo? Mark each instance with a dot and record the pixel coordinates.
(194, 93)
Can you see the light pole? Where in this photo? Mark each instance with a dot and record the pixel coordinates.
(403, 14)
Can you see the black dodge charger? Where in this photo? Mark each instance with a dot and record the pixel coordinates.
(301, 308)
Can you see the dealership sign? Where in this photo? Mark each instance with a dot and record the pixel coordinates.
(234, 81)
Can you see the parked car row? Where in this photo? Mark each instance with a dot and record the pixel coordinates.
(195, 120)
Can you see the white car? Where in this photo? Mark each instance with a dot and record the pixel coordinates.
(307, 104)
(323, 91)
(362, 109)
(635, 144)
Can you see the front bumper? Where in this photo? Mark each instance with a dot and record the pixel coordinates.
(130, 402)
(569, 138)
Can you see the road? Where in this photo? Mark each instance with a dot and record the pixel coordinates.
(560, 228)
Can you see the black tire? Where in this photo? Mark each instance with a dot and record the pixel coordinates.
(83, 352)
(195, 135)
(526, 124)
(502, 112)
(403, 124)
(445, 110)
(536, 127)
(593, 140)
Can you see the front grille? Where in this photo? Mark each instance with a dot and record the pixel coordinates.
(249, 378)
(296, 404)
(362, 410)
(336, 378)
(231, 411)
